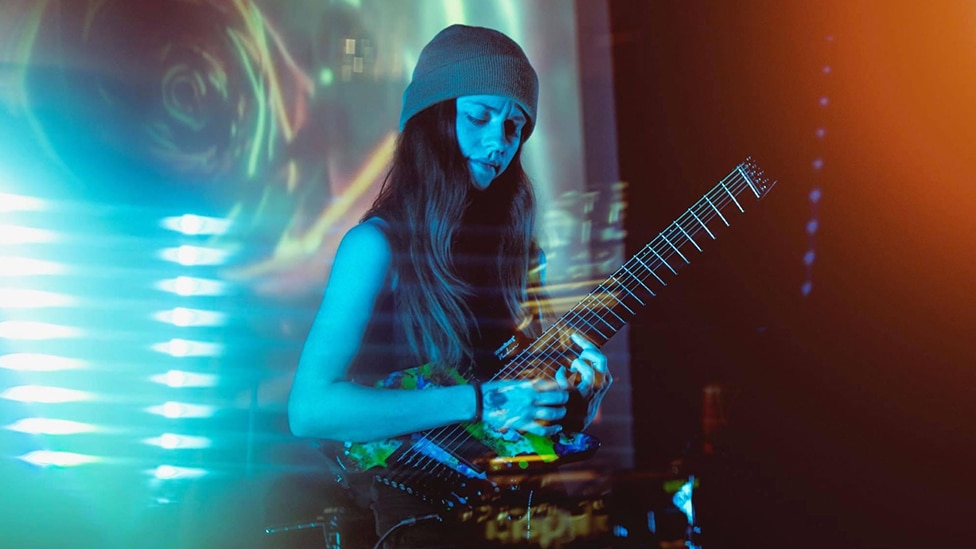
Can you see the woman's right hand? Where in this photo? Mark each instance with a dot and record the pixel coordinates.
(526, 406)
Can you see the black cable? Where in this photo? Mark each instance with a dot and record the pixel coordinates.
(406, 522)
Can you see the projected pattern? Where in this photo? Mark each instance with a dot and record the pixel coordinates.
(174, 178)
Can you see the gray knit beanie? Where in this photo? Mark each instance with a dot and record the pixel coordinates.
(463, 60)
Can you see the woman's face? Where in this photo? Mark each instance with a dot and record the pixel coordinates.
(489, 132)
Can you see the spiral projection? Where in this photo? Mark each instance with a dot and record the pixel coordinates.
(208, 107)
(195, 91)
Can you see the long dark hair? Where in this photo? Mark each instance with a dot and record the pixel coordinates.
(424, 199)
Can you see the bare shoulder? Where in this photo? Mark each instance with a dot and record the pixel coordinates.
(368, 237)
(364, 258)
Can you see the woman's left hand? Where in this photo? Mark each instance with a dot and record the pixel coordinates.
(592, 374)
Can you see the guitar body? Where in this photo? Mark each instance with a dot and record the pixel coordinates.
(453, 466)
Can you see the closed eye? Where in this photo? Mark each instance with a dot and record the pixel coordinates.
(477, 121)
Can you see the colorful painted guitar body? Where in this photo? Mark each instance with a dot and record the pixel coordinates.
(453, 466)
(422, 464)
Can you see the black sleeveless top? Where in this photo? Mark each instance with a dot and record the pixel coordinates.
(385, 348)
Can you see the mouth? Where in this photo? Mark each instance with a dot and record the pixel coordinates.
(488, 166)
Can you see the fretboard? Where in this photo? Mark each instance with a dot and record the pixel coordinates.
(616, 300)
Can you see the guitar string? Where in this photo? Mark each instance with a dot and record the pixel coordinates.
(719, 196)
(724, 195)
(587, 313)
(584, 310)
(709, 214)
(553, 344)
(551, 338)
(417, 479)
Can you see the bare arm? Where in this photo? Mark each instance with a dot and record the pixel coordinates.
(323, 404)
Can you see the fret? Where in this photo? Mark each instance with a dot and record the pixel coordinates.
(594, 328)
(637, 257)
(599, 293)
(688, 236)
(601, 318)
(599, 296)
(675, 249)
(639, 281)
(716, 211)
(629, 310)
(700, 223)
(548, 340)
(732, 196)
(662, 260)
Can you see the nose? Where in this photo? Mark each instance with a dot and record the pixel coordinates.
(493, 138)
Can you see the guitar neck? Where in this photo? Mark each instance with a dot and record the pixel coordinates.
(438, 465)
(616, 300)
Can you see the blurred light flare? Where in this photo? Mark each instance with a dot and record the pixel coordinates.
(190, 286)
(171, 472)
(172, 441)
(13, 234)
(35, 362)
(16, 298)
(326, 77)
(23, 266)
(45, 426)
(192, 225)
(184, 348)
(184, 317)
(47, 458)
(14, 203)
(190, 256)
(45, 394)
(16, 329)
(177, 410)
(179, 378)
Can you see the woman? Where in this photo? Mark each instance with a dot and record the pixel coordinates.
(438, 271)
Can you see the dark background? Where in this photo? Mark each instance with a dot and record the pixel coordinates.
(848, 410)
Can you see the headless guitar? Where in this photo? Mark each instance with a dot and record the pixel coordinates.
(453, 466)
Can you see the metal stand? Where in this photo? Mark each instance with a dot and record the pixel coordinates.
(329, 528)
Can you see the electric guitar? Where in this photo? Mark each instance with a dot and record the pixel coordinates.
(453, 466)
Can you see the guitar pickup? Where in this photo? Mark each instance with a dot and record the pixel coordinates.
(430, 449)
